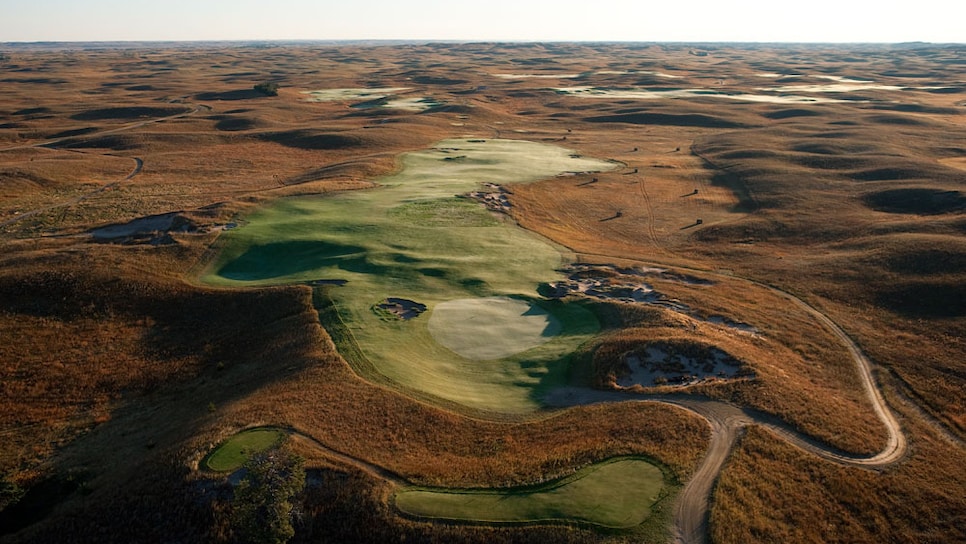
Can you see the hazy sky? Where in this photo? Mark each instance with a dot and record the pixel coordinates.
(526, 20)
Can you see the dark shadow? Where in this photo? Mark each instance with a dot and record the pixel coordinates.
(32, 111)
(73, 132)
(792, 113)
(240, 94)
(310, 139)
(280, 259)
(235, 123)
(672, 119)
(437, 80)
(939, 300)
(692, 193)
(116, 142)
(616, 215)
(132, 112)
(733, 182)
(919, 200)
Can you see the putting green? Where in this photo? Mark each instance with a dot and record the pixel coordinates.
(617, 494)
(480, 329)
(413, 238)
(234, 452)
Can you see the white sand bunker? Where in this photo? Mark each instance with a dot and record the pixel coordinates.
(482, 329)
(680, 365)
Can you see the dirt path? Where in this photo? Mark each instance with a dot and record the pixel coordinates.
(691, 513)
(138, 165)
(138, 162)
(652, 233)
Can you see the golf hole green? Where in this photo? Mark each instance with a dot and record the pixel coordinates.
(234, 452)
(482, 329)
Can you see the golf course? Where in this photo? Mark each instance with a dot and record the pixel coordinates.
(486, 342)
(482, 292)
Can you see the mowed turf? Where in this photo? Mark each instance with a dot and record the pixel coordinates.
(413, 238)
(617, 494)
(480, 329)
(235, 451)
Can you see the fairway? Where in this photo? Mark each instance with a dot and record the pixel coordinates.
(234, 452)
(617, 494)
(414, 238)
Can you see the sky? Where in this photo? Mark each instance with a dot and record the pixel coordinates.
(939, 21)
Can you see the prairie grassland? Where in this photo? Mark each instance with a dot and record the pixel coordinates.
(119, 374)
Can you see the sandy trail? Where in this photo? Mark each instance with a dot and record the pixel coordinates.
(138, 162)
(726, 421)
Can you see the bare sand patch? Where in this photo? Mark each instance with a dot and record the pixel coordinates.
(401, 308)
(661, 364)
(661, 94)
(627, 285)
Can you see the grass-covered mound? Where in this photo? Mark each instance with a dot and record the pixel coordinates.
(234, 452)
(617, 494)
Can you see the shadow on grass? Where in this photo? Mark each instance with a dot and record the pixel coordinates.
(281, 259)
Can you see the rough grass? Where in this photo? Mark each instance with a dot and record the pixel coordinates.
(615, 494)
(121, 407)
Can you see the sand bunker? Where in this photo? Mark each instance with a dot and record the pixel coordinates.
(494, 197)
(402, 308)
(663, 364)
(153, 229)
(627, 285)
(482, 329)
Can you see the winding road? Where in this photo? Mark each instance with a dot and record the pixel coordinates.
(727, 421)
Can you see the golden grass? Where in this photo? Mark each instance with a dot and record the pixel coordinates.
(118, 372)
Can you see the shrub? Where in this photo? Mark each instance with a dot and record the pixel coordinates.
(269, 88)
(265, 501)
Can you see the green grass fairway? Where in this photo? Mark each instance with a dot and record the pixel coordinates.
(617, 494)
(412, 238)
(235, 451)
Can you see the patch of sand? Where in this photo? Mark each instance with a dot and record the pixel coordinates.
(658, 366)
(646, 94)
(627, 285)
(402, 308)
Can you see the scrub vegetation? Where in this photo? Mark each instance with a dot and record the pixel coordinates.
(184, 259)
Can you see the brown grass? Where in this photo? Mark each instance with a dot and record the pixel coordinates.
(117, 373)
